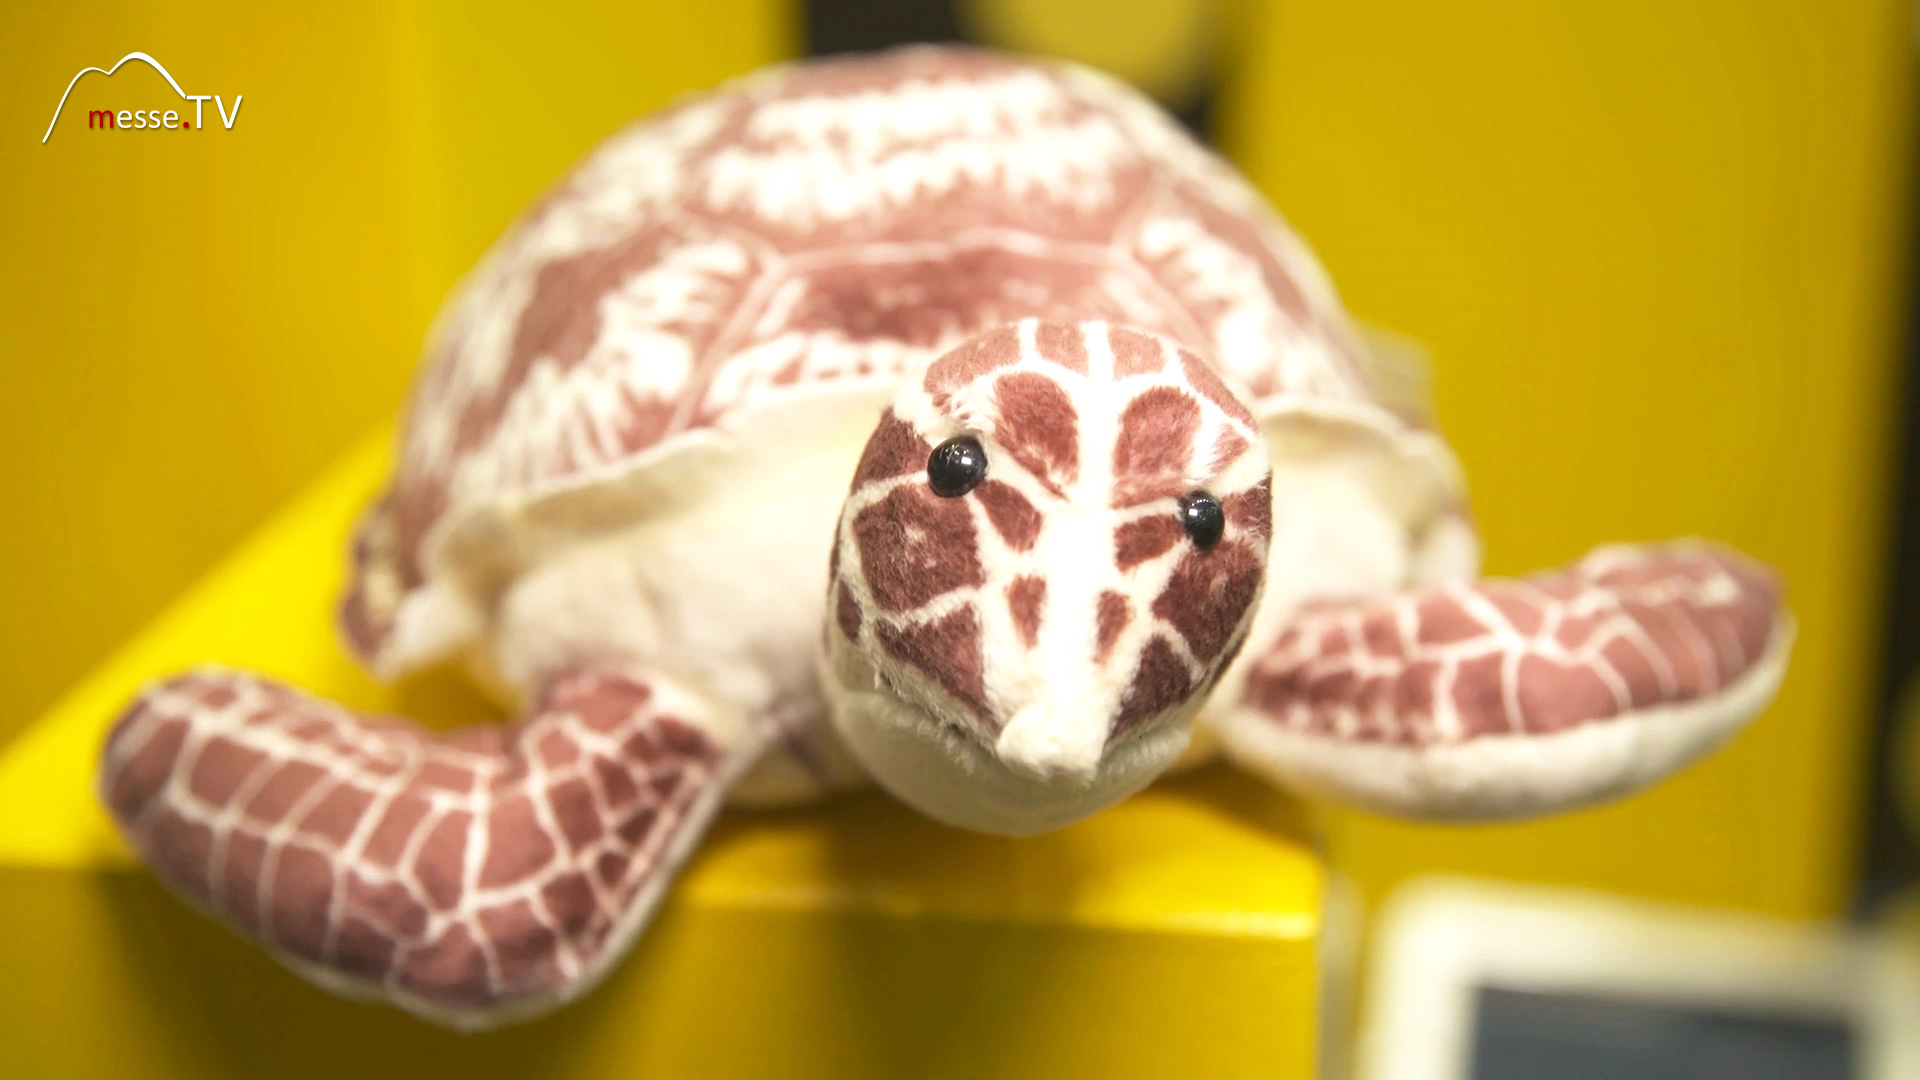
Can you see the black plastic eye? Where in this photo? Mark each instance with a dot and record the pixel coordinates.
(1203, 518)
(956, 467)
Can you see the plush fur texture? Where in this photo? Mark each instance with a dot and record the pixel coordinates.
(1497, 699)
(622, 497)
(1513, 775)
(468, 878)
(1028, 652)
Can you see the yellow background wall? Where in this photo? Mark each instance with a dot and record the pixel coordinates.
(191, 326)
(1652, 247)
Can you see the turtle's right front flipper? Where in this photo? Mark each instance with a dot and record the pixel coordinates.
(1499, 699)
(484, 875)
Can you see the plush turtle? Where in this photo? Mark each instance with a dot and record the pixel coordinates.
(934, 417)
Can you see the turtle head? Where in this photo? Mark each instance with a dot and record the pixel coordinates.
(1052, 547)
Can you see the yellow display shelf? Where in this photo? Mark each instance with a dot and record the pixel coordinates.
(1172, 935)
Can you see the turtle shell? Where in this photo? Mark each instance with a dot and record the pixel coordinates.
(816, 229)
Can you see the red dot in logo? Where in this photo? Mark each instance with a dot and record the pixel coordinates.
(184, 126)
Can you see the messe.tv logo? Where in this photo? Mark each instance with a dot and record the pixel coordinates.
(149, 119)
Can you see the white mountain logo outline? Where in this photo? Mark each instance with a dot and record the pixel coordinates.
(151, 62)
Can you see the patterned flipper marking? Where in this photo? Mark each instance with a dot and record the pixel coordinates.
(471, 877)
(1503, 698)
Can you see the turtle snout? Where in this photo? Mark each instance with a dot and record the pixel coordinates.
(1044, 743)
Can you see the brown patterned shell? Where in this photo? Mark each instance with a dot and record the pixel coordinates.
(823, 228)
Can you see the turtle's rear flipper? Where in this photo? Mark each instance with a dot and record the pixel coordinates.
(473, 877)
(1508, 698)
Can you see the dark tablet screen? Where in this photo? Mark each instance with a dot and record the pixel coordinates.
(1524, 1035)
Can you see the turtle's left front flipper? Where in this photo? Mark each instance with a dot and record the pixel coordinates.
(1508, 698)
(474, 877)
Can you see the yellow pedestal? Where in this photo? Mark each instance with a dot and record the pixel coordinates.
(1173, 935)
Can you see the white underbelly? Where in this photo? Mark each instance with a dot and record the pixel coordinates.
(724, 594)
